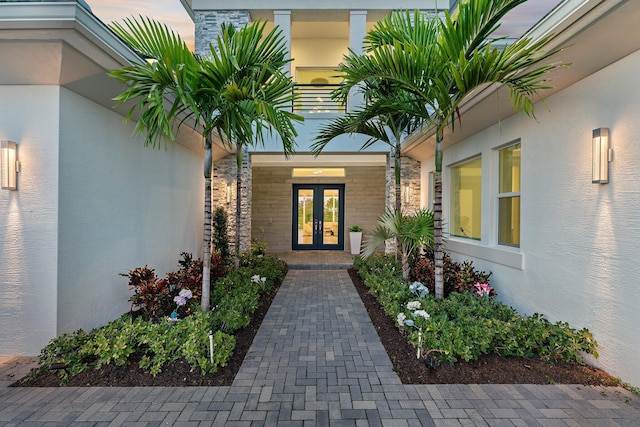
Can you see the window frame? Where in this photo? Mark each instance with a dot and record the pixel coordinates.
(508, 195)
(453, 201)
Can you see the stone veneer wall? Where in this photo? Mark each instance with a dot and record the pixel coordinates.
(409, 175)
(224, 173)
(272, 202)
(207, 26)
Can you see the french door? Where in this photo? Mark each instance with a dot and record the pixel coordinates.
(318, 216)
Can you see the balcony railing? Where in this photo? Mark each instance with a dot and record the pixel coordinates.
(316, 98)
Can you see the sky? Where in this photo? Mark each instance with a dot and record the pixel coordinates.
(172, 13)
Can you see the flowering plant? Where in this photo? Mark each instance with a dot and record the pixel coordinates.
(419, 316)
(483, 289)
(180, 300)
(413, 307)
(418, 289)
(259, 280)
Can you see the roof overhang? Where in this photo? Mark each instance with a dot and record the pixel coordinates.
(63, 43)
(590, 33)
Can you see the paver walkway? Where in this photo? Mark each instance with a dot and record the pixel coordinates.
(317, 360)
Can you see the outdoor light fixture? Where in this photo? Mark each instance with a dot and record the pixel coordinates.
(601, 156)
(9, 165)
(407, 194)
(228, 193)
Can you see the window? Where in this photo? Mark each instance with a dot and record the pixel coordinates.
(509, 196)
(466, 199)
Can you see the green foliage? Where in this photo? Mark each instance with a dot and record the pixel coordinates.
(355, 228)
(465, 325)
(236, 296)
(458, 277)
(221, 233)
(258, 248)
(156, 342)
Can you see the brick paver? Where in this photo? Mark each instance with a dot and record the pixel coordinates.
(317, 360)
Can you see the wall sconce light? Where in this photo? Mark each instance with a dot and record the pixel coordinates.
(601, 156)
(9, 165)
(407, 194)
(228, 193)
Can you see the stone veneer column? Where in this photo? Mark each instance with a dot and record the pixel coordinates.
(409, 177)
(224, 175)
(357, 33)
(208, 22)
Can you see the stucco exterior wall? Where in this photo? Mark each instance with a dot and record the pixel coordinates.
(28, 221)
(579, 241)
(122, 206)
(272, 202)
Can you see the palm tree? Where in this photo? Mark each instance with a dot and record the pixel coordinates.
(236, 91)
(379, 119)
(410, 231)
(440, 62)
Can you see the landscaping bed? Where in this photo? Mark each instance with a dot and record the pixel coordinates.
(489, 368)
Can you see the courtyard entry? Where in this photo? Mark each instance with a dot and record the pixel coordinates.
(318, 217)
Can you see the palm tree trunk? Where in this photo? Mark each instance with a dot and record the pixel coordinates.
(405, 266)
(206, 261)
(396, 155)
(438, 251)
(236, 260)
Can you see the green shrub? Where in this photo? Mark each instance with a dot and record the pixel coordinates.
(157, 341)
(258, 248)
(221, 233)
(465, 325)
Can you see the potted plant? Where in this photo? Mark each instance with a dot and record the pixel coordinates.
(355, 236)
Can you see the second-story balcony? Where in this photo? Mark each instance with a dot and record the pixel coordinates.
(316, 98)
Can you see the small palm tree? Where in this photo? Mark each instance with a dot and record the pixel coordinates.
(237, 91)
(411, 232)
(440, 62)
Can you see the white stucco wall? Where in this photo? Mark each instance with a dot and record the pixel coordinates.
(28, 220)
(579, 241)
(122, 206)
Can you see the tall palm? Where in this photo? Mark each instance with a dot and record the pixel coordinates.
(262, 91)
(440, 62)
(227, 92)
(379, 118)
(410, 232)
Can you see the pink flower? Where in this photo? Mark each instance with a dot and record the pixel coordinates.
(483, 289)
(180, 300)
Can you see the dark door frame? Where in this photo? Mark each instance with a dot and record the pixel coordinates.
(318, 212)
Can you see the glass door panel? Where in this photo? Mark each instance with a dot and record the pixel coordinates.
(305, 228)
(318, 212)
(331, 216)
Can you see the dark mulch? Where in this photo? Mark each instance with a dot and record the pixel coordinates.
(489, 369)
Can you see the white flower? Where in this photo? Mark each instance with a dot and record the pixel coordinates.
(186, 293)
(263, 279)
(422, 313)
(401, 319)
(255, 278)
(413, 305)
